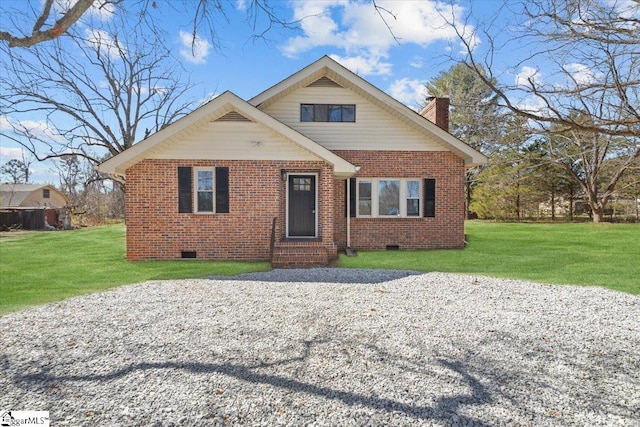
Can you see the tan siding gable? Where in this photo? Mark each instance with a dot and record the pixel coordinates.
(229, 140)
(36, 199)
(374, 129)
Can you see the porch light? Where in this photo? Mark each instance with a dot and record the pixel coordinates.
(283, 174)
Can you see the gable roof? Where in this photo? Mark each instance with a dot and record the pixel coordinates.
(326, 67)
(227, 106)
(13, 195)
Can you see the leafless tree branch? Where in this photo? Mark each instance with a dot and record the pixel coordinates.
(581, 88)
(39, 35)
(95, 93)
(381, 11)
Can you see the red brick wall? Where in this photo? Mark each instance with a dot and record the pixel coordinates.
(437, 111)
(445, 230)
(155, 229)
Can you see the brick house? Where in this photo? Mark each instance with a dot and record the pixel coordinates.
(320, 162)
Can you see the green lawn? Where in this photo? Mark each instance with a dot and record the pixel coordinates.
(584, 254)
(41, 267)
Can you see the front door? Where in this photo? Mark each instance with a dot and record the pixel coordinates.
(302, 206)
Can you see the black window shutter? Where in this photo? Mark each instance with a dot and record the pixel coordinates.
(352, 197)
(429, 197)
(185, 201)
(222, 190)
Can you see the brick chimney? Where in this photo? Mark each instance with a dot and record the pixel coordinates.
(437, 111)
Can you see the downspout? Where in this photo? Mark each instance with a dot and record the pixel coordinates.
(349, 210)
(348, 214)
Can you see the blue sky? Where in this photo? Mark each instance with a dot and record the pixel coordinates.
(350, 31)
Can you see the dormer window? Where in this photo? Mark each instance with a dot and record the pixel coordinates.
(327, 113)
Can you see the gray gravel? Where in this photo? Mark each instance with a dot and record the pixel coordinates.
(328, 347)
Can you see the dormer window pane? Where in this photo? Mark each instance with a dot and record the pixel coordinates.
(348, 113)
(306, 112)
(321, 113)
(335, 113)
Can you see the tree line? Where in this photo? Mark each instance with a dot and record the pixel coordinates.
(560, 123)
(563, 136)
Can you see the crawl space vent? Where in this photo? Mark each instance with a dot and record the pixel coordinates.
(393, 247)
(188, 254)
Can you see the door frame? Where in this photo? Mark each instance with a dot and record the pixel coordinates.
(315, 232)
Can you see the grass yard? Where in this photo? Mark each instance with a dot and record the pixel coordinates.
(41, 267)
(605, 255)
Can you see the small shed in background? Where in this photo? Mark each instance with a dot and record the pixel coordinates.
(30, 206)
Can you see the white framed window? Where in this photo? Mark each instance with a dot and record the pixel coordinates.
(204, 186)
(388, 197)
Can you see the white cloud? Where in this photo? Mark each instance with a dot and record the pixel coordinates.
(99, 39)
(534, 105)
(42, 130)
(417, 62)
(581, 74)
(529, 102)
(5, 123)
(241, 5)
(410, 92)
(101, 9)
(628, 9)
(38, 129)
(365, 65)
(526, 75)
(8, 153)
(358, 29)
(194, 50)
(207, 98)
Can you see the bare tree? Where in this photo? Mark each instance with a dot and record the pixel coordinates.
(90, 197)
(587, 157)
(43, 30)
(590, 51)
(50, 19)
(97, 91)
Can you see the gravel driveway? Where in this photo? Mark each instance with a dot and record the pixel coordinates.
(362, 348)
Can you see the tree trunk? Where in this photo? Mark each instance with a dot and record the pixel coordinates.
(571, 207)
(597, 209)
(597, 215)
